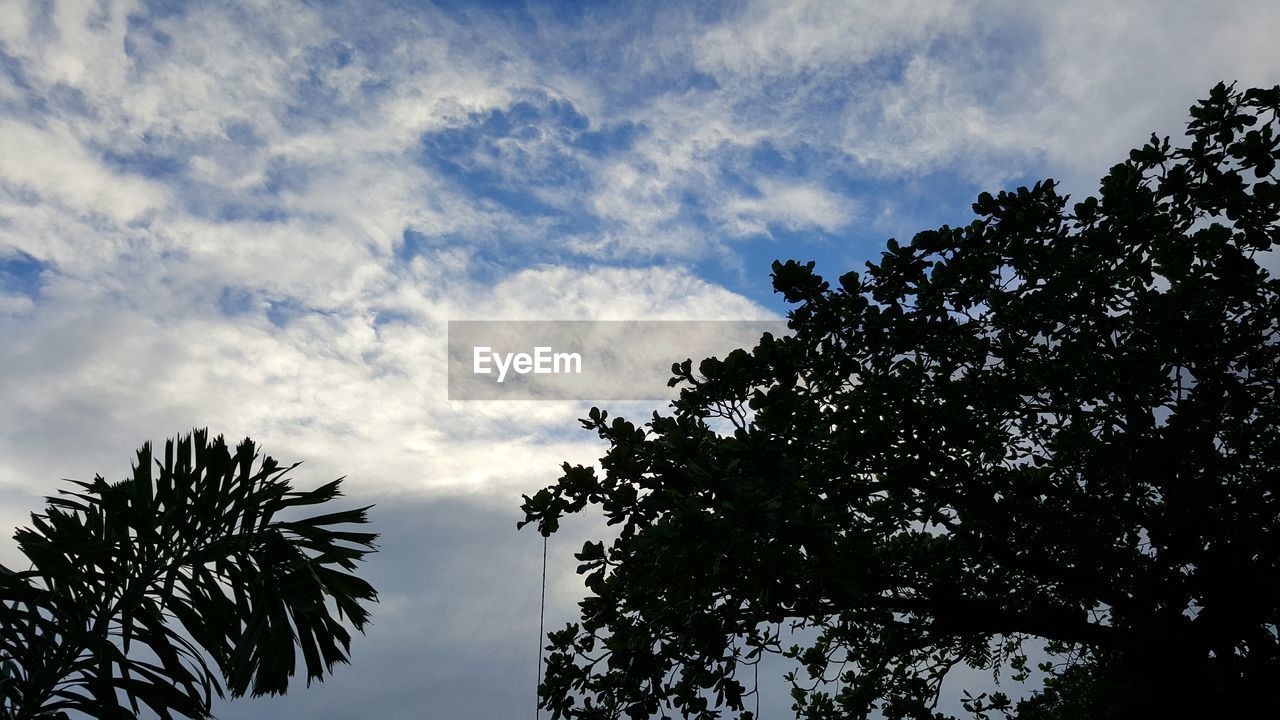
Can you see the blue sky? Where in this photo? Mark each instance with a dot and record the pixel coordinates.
(259, 217)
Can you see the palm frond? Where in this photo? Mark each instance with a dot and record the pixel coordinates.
(139, 589)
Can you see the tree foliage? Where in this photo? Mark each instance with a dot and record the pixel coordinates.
(1057, 423)
(154, 591)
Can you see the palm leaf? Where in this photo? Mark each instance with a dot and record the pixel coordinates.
(158, 589)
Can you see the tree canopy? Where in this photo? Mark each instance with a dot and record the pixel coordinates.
(1057, 423)
(136, 586)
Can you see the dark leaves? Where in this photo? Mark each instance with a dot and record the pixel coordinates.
(191, 560)
(1047, 423)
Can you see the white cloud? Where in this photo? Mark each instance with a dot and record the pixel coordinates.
(787, 38)
(632, 196)
(256, 114)
(15, 304)
(795, 206)
(992, 89)
(349, 396)
(52, 163)
(1109, 74)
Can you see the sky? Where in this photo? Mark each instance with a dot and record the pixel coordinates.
(259, 217)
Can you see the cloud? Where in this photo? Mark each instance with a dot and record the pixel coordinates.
(791, 38)
(794, 207)
(356, 387)
(51, 163)
(259, 218)
(1108, 75)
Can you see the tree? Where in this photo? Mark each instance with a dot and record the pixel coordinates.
(1057, 423)
(136, 586)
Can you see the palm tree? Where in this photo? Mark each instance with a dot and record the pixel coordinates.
(176, 584)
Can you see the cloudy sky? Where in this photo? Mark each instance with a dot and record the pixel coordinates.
(258, 217)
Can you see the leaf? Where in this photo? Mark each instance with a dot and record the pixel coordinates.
(200, 543)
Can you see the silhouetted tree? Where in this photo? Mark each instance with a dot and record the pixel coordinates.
(1057, 422)
(136, 586)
